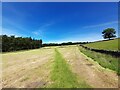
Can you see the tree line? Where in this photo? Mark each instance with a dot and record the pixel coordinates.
(12, 43)
(61, 44)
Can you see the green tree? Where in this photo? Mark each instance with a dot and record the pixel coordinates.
(12, 43)
(109, 33)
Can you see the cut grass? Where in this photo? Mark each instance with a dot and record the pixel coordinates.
(105, 45)
(24, 79)
(62, 76)
(21, 69)
(106, 61)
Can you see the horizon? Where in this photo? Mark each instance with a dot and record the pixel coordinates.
(59, 22)
(68, 41)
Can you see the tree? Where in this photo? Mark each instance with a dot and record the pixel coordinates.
(12, 43)
(109, 33)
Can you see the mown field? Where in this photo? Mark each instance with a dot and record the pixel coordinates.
(105, 45)
(55, 67)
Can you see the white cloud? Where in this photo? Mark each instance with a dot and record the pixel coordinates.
(102, 24)
(0, 29)
(46, 25)
(42, 29)
(13, 28)
(38, 32)
(15, 25)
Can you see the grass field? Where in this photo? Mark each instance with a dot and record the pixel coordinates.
(106, 61)
(27, 68)
(54, 67)
(105, 45)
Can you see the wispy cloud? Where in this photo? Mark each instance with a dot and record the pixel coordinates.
(42, 29)
(46, 25)
(0, 30)
(13, 28)
(78, 38)
(21, 14)
(13, 24)
(9, 32)
(102, 24)
(38, 32)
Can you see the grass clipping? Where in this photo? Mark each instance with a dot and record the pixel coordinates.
(62, 76)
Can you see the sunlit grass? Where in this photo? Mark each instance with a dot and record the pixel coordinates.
(105, 45)
(106, 61)
(62, 76)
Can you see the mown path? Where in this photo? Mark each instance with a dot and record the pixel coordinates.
(62, 76)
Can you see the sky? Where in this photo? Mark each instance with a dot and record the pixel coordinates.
(56, 22)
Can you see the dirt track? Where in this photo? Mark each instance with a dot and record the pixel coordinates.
(32, 68)
(87, 69)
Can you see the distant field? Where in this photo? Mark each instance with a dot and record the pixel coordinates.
(105, 45)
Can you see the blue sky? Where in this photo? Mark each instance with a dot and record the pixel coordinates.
(59, 22)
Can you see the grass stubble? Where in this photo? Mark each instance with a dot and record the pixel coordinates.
(62, 76)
